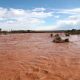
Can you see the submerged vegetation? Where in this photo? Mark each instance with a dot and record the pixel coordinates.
(58, 39)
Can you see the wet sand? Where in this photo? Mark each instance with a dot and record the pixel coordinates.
(33, 56)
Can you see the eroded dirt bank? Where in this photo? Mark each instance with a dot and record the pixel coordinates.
(34, 57)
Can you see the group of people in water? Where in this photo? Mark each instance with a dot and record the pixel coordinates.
(57, 38)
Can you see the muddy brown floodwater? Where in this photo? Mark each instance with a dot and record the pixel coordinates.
(33, 56)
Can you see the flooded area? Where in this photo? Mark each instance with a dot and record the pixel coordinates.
(33, 56)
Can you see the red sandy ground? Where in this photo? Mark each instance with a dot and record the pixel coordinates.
(33, 56)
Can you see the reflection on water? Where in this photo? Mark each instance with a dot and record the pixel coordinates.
(72, 38)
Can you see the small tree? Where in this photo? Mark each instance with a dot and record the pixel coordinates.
(28, 31)
(0, 29)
